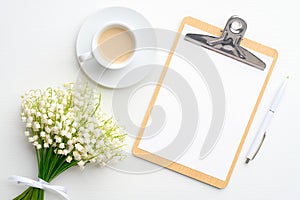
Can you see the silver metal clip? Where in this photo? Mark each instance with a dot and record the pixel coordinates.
(229, 43)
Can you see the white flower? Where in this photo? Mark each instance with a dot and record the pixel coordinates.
(88, 148)
(73, 130)
(55, 130)
(99, 143)
(60, 107)
(102, 164)
(42, 103)
(66, 152)
(70, 142)
(87, 141)
(79, 147)
(59, 125)
(27, 133)
(61, 152)
(116, 142)
(63, 118)
(69, 159)
(78, 130)
(76, 155)
(91, 127)
(30, 139)
(24, 119)
(75, 124)
(28, 125)
(35, 137)
(50, 141)
(36, 126)
(49, 122)
(29, 119)
(64, 102)
(42, 134)
(75, 139)
(81, 164)
(93, 141)
(97, 133)
(86, 135)
(44, 117)
(70, 148)
(51, 109)
(61, 145)
(44, 120)
(38, 114)
(63, 132)
(61, 112)
(100, 158)
(47, 129)
(54, 98)
(69, 135)
(57, 139)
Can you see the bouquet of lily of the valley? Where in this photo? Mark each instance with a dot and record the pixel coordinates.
(67, 128)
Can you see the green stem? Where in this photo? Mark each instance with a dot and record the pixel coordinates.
(26, 195)
(50, 165)
(23, 194)
(63, 168)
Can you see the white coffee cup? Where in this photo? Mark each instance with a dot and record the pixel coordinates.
(112, 47)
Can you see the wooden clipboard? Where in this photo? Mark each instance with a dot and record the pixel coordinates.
(182, 169)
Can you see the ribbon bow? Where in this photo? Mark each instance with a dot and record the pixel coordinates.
(41, 184)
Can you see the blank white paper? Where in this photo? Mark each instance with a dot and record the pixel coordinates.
(242, 84)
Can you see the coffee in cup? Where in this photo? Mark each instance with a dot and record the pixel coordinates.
(116, 44)
(113, 47)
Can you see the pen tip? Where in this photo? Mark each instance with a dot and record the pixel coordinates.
(287, 77)
(247, 160)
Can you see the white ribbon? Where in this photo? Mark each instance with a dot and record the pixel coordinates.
(41, 184)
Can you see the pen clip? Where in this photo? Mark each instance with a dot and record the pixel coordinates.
(262, 140)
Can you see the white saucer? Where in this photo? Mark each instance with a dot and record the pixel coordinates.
(144, 38)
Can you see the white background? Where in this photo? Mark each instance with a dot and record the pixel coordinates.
(37, 49)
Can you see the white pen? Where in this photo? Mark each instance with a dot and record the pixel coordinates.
(261, 134)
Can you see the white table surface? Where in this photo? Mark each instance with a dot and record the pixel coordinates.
(37, 49)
